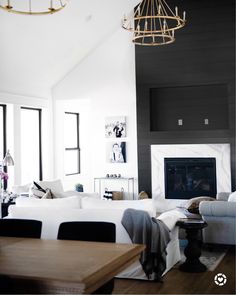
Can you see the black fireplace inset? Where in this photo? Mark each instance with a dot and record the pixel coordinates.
(186, 178)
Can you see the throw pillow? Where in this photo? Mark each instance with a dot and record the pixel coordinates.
(192, 205)
(37, 186)
(232, 197)
(117, 195)
(54, 185)
(48, 194)
(37, 191)
(142, 195)
(41, 193)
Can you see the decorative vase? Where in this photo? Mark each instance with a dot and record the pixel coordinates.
(79, 187)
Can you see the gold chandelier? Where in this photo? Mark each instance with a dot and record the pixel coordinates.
(33, 7)
(154, 23)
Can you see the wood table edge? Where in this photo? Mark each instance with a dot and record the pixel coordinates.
(59, 286)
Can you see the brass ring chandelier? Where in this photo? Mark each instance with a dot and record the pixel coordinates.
(154, 23)
(33, 7)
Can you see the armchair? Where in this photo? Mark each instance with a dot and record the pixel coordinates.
(221, 219)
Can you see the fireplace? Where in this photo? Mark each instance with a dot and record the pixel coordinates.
(220, 152)
(186, 178)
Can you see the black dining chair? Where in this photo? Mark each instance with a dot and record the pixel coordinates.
(20, 228)
(90, 231)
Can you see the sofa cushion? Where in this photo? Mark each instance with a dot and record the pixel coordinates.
(232, 197)
(192, 205)
(218, 209)
(53, 185)
(92, 203)
(75, 193)
(18, 189)
(70, 202)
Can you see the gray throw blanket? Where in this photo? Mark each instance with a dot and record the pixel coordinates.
(152, 232)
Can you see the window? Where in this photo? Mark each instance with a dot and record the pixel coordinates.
(31, 146)
(72, 150)
(3, 142)
(2, 131)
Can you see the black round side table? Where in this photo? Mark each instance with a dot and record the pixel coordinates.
(192, 251)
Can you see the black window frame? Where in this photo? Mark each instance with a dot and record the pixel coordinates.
(40, 139)
(4, 123)
(77, 148)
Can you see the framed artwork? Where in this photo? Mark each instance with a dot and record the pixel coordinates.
(116, 152)
(115, 127)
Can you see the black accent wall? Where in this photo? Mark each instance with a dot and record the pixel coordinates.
(192, 79)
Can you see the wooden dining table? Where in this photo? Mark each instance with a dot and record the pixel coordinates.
(62, 266)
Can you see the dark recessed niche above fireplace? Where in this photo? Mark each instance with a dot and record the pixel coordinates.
(186, 178)
(199, 107)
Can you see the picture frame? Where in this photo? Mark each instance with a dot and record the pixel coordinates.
(115, 127)
(116, 152)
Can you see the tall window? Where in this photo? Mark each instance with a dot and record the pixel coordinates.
(72, 150)
(3, 137)
(31, 146)
(2, 131)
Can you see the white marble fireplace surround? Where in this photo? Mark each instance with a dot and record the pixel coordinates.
(158, 152)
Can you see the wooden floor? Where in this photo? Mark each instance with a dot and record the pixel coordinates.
(177, 282)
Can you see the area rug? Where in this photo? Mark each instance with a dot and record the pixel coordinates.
(211, 256)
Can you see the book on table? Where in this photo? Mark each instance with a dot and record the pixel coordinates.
(191, 220)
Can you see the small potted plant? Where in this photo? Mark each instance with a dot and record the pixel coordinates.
(79, 187)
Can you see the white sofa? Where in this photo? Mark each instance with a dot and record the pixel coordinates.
(55, 186)
(220, 216)
(52, 212)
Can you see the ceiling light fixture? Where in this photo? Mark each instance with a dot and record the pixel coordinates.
(33, 7)
(154, 23)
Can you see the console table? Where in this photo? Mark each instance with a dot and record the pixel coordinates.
(129, 181)
(193, 228)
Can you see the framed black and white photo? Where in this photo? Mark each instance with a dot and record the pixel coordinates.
(115, 127)
(116, 152)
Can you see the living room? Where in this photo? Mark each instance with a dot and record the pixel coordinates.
(60, 64)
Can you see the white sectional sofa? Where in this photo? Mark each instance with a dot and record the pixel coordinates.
(52, 212)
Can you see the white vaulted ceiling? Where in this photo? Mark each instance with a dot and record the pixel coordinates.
(38, 51)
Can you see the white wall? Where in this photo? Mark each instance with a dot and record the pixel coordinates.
(102, 85)
(83, 108)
